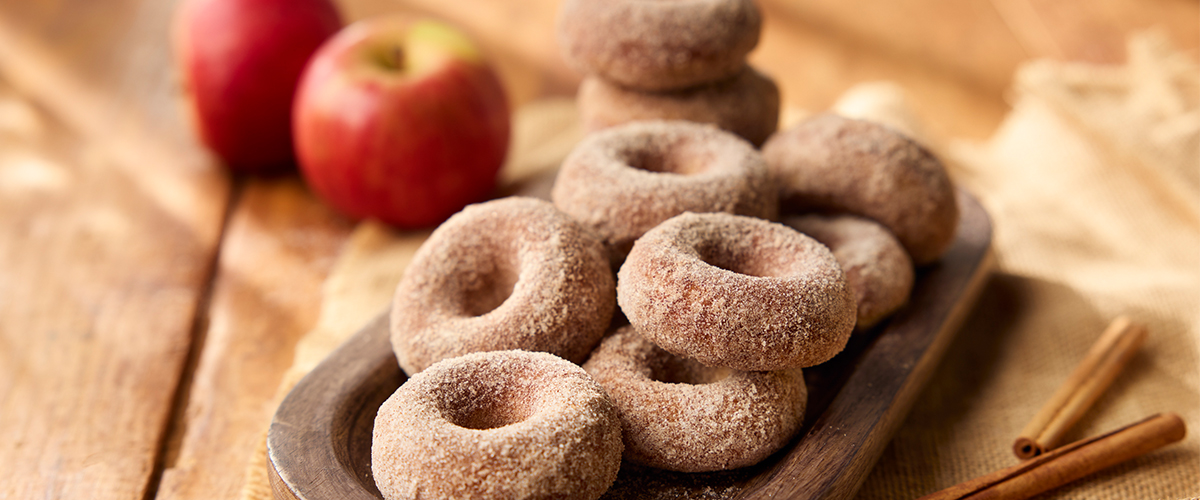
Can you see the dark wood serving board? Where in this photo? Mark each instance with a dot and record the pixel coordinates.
(319, 443)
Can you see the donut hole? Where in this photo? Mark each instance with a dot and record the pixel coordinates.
(493, 290)
(489, 407)
(775, 253)
(490, 287)
(761, 264)
(672, 369)
(679, 159)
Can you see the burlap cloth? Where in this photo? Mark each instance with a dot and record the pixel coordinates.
(1093, 184)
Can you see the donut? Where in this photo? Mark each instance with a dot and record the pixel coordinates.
(500, 424)
(746, 105)
(513, 273)
(680, 415)
(835, 164)
(658, 44)
(737, 292)
(622, 181)
(877, 268)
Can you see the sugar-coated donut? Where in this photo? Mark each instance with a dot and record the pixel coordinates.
(877, 268)
(622, 181)
(737, 292)
(746, 104)
(680, 415)
(658, 44)
(513, 273)
(836, 164)
(501, 424)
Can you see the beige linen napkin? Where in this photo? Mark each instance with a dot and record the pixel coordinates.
(1093, 183)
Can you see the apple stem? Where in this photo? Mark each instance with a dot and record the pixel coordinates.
(393, 59)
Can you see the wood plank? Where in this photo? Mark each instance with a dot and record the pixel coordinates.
(984, 41)
(813, 68)
(109, 221)
(1095, 30)
(955, 59)
(280, 245)
(964, 38)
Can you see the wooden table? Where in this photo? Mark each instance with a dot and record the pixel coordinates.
(150, 302)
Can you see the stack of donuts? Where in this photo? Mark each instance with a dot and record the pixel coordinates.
(660, 308)
(670, 61)
(723, 301)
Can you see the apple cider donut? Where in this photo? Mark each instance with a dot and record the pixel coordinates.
(513, 273)
(502, 424)
(835, 164)
(746, 105)
(680, 415)
(622, 181)
(877, 268)
(737, 292)
(658, 44)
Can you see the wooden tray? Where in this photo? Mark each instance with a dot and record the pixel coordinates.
(319, 443)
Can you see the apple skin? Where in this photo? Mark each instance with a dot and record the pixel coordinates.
(400, 121)
(240, 61)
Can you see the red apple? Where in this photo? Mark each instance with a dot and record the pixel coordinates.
(240, 61)
(400, 121)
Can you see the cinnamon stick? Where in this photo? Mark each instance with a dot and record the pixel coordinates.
(1091, 377)
(1068, 463)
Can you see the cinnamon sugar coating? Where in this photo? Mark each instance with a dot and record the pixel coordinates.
(658, 44)
(680, 415)
(501, 424)
(513, 273)
(877, 268)
(737, 292)
(746, 104)
(835, 164)
(622, 181)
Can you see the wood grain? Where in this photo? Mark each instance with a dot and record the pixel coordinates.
(278, 249)
(814, 68)
(984, 41)
(109, 223)
(1095, 30)
(968, 39)
(319, 442)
